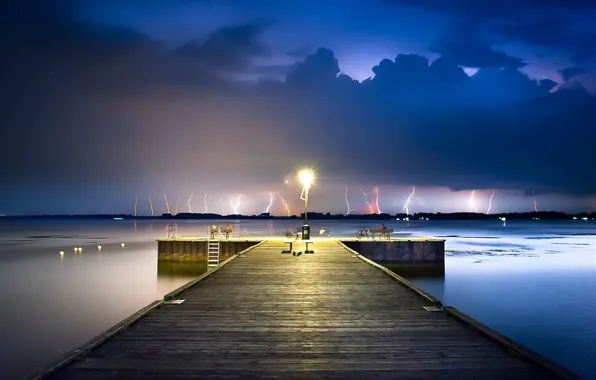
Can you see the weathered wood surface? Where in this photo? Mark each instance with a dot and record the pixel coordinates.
(324, 315)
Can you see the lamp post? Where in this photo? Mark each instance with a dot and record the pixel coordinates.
(306, 177)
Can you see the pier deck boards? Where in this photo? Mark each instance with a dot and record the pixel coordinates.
(272, 316)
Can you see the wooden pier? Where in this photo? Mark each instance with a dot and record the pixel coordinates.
(331, 315)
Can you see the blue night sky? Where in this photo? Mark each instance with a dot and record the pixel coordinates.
(111, 100)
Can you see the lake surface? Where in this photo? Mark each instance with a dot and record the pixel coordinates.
(532, 281)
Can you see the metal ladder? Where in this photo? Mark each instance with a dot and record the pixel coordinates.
(212, 253)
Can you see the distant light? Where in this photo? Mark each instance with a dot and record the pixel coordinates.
(286, 181)
(118, 218)
(122, 245)
(61, 253)
(99, 247)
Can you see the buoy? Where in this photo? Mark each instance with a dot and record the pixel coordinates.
(122, 245)
(99, 247)
(61, 253)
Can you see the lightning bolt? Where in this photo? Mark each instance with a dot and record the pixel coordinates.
(177, 200)
(136, 202)
(205, 201)
(348, 203)
(270, 202)
(377, 201)
(235, 207)
(535, 201)
(151, 204)
(167, 204)
(188, 202)
(406, 207)
(490, 202)
(284, 202)
(367, 202)
(419, 200)
(472, 201)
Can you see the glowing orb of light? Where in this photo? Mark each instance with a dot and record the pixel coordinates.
(61, 253)
(122, 245)
(99, 247)
(306, 177)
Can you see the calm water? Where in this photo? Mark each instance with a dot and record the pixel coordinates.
(532, 281)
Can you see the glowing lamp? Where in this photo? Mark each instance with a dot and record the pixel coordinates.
(122, 245)
(306, 177)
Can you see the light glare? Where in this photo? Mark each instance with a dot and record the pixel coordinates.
(306, 177)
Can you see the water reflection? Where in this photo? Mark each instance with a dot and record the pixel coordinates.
(184, 269)
(418, 271)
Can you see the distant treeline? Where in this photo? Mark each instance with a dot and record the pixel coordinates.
(542, 215)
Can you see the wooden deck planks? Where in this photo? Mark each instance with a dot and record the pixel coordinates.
(323, 315)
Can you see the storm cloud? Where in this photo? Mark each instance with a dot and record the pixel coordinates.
(106, 105)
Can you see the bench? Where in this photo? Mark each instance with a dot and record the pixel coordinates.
(381, 232)
(307, 242)
(291, 237)
(384, 232)
(290, 242)
(224, 230)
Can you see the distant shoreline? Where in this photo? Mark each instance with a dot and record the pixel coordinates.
(546, 215)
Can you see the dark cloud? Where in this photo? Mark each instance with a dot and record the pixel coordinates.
(300, 53)
(102, 105)
(476, 55)
(538, 23)
(553, 33)
(466, 43)
(319, 68)
(571, 72)
(229, 49)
